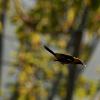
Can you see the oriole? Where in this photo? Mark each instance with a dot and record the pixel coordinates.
(65, 59)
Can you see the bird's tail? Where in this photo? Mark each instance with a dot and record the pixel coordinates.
(49, 50)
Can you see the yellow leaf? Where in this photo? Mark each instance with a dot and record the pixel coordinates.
(22, 76)
(62, 43)
(29, 69)
(23, 90)
(71, 15)
(81, 92)
(1, 27)
(32, 97)
(49, 74)
(35, 38)
(15, 18)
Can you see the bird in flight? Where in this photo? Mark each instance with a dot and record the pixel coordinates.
(65, 59)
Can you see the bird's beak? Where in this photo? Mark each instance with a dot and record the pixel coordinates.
(78, 61)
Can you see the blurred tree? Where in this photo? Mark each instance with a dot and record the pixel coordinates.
(57, 22)
(3, 9)
(74, 45)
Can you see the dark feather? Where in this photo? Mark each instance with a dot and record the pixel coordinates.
(49, 50)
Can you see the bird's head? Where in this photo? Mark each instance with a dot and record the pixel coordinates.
(78, 61)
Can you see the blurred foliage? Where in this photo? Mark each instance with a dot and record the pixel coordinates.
(49, 22)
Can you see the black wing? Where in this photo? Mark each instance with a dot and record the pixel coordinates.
(49, 50)
(65, 58)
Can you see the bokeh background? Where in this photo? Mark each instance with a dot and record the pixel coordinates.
(27, 70)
